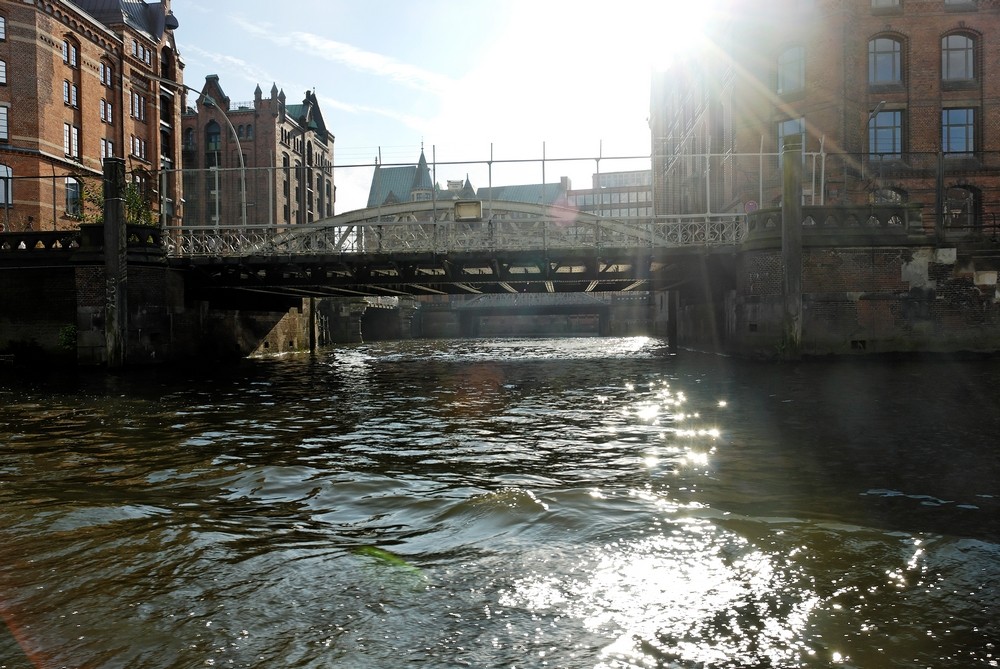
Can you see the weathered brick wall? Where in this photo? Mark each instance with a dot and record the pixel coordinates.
(855, 300)
(36, 305)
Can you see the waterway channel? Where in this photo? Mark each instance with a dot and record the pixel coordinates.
(565, 503)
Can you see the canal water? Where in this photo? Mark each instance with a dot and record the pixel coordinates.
(587, 502)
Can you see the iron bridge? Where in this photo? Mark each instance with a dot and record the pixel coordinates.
(425, 248)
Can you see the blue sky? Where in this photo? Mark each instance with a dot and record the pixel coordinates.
(569, 78)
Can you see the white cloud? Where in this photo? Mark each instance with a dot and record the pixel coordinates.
(353, 57)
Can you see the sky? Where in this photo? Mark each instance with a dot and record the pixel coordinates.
(471, 81)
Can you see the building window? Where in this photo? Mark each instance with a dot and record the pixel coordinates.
(957, 58)
(73, 197)
(791, 70)
(3, 28)
(958, 131)
(890, 196)
(885, 61)
(69, 53)
(960, 207)
(4, 128)
(884, 4)
(106, 74)
(70, 93)
(213, 137)
(71, 140)
(138, 110)
(107, 148)
(792, 129)
(6, 185)
(138, 147)
(3, 72)
(249, 132)
(106, 112)
(885, 134)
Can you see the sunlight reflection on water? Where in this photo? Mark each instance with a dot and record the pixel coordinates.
(559, 503)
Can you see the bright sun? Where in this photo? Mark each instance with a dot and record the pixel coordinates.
(683, 29)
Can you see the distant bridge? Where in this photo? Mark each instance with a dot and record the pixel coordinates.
(422, 248)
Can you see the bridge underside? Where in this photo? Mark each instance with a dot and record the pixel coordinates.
(400, 274)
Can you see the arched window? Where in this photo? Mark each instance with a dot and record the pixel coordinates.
(239, 131)
(958, 58)
(249, 131)
(890, 196)
(73, 197)
(213, 137)
(885, 61)
(791, 70)
(70, 52)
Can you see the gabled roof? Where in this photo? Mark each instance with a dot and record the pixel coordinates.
(390, 184)
(308, 115)
(400, 182)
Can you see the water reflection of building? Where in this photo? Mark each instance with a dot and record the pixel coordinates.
(79, 82)
(884, 94)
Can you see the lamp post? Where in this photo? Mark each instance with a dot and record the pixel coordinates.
(209, 101)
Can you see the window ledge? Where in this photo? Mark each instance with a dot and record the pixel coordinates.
(959, 85)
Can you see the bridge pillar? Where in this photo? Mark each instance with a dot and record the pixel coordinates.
(672, 298)
(115, 254)
(345, 324)
(407, 311)
(791, 246)
(604, 322)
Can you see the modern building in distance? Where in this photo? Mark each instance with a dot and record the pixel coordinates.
(616, 194)
(893, 101)
(287, 159)
(80, 81)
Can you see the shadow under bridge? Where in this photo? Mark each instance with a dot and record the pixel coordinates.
(453, 247)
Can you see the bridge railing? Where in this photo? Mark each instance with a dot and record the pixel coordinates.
(563, 231)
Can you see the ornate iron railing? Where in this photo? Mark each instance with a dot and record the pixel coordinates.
(425, 227)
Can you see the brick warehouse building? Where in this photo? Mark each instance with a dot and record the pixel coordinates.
(287, 159)
(78, 83)
(895, 104)
(894, 100)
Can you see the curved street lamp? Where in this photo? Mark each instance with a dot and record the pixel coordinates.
(209, 101)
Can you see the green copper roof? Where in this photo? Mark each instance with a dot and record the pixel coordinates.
(528, 193)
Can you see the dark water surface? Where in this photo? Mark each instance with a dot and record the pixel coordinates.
(503, 503)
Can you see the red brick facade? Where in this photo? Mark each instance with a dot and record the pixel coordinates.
(287, 159)
(78, 89)
(880, 88)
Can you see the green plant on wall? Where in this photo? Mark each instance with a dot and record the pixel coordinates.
(137, 208)
(67, 338)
